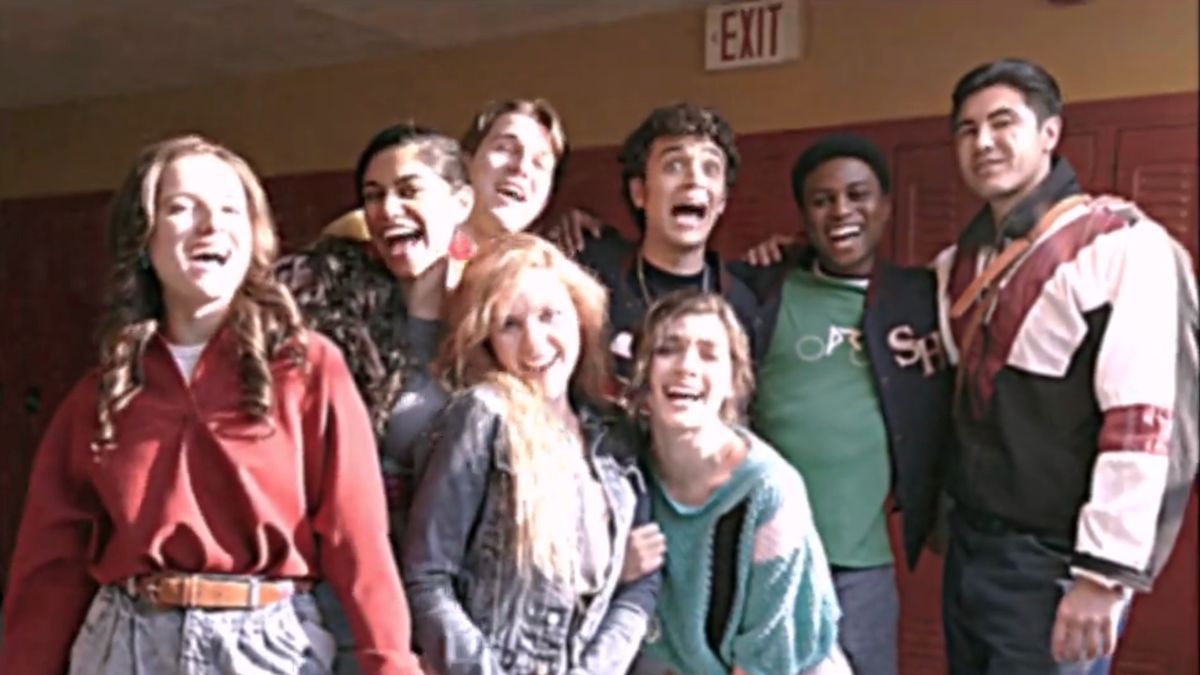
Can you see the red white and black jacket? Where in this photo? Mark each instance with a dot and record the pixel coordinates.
(1077, 410)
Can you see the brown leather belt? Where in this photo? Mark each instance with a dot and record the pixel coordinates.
(194, 591)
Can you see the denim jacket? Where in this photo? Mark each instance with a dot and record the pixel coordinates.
(473, 614)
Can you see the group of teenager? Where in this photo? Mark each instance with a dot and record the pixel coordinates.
(447, 438)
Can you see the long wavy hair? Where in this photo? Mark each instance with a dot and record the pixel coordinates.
(262, 316)
(668, 310)
(542, 490)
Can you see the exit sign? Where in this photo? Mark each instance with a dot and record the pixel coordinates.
(755, 33)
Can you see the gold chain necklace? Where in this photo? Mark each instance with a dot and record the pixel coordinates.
(641, 276)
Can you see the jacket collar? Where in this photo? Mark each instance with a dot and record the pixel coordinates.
(1061, 182)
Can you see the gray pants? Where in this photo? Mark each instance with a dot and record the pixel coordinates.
(122, 635)
(867, 632)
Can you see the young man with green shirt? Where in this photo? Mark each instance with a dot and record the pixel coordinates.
(852, 386)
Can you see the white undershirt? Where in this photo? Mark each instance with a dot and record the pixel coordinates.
(186, 357)
(857, 282)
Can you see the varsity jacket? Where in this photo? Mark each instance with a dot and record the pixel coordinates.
(908, 364)
(1076, 409)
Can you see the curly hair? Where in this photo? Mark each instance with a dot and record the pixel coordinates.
(476, 310)
(262, 315)
(669, 309)
(680, 119)
(838, 146)
(353, 299)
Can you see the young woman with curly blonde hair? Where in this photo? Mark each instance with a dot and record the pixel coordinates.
(517, 536)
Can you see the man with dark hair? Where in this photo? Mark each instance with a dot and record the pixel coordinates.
(852, 385)
(1073, 323)
(677, 168)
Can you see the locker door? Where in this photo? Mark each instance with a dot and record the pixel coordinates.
(54, 272)
(1156, 166)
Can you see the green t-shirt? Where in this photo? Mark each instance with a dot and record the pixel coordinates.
(816, 404)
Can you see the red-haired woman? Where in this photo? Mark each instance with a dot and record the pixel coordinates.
(518, 530)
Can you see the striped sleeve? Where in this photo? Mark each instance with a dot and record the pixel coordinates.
(1135, 390)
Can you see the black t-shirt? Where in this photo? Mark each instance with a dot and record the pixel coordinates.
(615, 262)
(660, 283)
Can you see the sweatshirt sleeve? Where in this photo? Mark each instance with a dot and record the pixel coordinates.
(49, 566)
(789, 621)
(1132, 270)
(351, 521)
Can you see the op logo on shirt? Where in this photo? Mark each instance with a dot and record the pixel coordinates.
(813, 348)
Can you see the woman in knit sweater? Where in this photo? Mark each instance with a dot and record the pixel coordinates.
(379, 301)
(746, 588)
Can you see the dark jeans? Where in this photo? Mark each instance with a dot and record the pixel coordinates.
(1000, 595)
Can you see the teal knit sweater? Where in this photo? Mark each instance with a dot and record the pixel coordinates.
(784, 614)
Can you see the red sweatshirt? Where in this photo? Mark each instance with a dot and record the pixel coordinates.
(195, 485)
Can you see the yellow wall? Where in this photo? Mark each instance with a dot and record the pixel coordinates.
(863, 60)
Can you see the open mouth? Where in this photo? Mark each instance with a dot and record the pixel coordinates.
(403, 235)
(539, 367)
(210, 257)
(693, 214)
(683, 394)
(843, 235)
(511, 192)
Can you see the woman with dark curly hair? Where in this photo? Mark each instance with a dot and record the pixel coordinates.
(379, 300)
(189, 491)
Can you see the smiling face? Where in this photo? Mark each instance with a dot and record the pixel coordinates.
(512, 172)
(202, 238)
(411, 210)
(844, 212)
(690, 374)
(682, 193)
(1003, 151)
(538, 337)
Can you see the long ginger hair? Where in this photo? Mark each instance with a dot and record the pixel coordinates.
(262, 315)
(542, 489)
